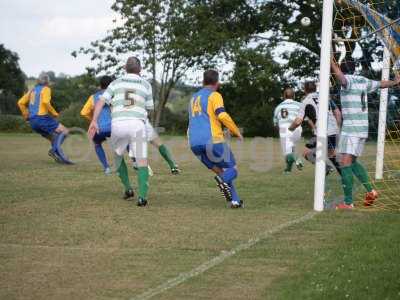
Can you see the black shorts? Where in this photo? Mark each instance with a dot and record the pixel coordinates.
(312, 142)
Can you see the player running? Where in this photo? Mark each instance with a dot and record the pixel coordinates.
(36, 108)
(129, 97)
(104, 122)
(311, 104)
(207, 116)
(354, 132)
(284, 115)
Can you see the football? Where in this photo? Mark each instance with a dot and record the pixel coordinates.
(305, 21)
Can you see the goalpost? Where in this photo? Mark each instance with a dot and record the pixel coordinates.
(322, 123)
(382, 17)
(380, 151)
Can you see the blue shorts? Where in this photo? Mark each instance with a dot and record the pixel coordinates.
(101, 137)
(44, 125)
(215, 155)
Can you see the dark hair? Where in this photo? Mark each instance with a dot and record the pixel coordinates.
(105, 82)
(288, 93)
(133, 65)
(348, 67)
(210, 77)
(310, 87)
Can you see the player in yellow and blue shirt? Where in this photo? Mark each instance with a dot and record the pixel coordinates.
(36, 108)
(104, 122)
(207, 116)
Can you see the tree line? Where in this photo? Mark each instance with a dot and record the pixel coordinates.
(263, 41)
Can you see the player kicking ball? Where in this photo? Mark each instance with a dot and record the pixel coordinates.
(311, 105)
(207, 116)
(104, 122)
(130, 97)
(284, 115)
(36, 108)
(354, 132)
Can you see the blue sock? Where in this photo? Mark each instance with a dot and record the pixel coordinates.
(54, 142)
(58, 142)
(235, 196)
(229, 175)
(101, 155)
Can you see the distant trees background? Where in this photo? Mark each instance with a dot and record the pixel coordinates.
(262, 42)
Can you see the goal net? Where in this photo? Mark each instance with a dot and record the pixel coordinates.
(368, 32)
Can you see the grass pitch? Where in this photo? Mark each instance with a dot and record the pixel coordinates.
(66, 234)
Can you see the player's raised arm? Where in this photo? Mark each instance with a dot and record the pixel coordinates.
(337, 72)
(390, 83)
(23, 103)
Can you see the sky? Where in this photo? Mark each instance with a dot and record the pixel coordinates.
(44, 33)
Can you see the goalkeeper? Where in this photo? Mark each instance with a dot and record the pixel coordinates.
(354, 132)
(311, 105)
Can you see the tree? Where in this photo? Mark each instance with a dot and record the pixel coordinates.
(173, 37)
(254, 90)
(282, 21)
(12, 81)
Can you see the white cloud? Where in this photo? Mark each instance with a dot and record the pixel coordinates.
(44, 33)
(61, 28)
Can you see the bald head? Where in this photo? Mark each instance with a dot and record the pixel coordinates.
(288, 93)
(133, 65)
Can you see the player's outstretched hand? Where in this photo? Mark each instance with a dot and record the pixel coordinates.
(93, 129)
(397, 79)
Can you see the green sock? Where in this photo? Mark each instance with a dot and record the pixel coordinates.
(167, 156)
(347, 181)
(362, 175)
(143, 181)
(123, 175)
(290, 159)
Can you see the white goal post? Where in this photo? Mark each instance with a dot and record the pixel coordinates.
(383, 104)
(322, 121)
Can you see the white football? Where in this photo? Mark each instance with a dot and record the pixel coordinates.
(305, 21)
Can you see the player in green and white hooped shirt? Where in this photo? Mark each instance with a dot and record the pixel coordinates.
(130, 97)
(354, 132)
(284, 115)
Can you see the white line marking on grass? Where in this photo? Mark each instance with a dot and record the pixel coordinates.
(219, 259)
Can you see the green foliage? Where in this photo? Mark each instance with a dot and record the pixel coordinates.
(72, 89)
(283, 20)
(70, 117)
(174, 35)
(13, 123)
(12, 81)
(254, 91)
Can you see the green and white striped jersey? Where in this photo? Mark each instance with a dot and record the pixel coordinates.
(354, 102)
(129, 96)
(286, 112)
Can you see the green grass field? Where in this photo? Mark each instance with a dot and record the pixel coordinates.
(66, 234)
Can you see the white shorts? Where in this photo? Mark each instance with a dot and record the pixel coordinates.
(130, 133)
(150, 131)
(289, 139)
(351, 145)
